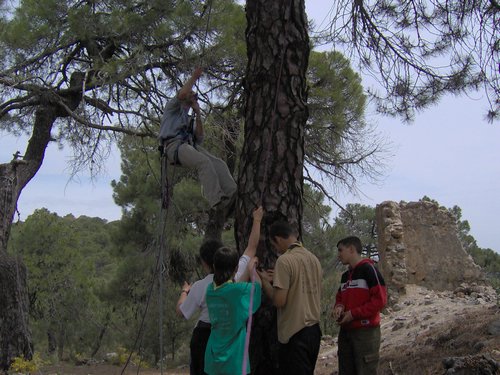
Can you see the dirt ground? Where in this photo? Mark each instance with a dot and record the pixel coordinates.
(103, 369)
(420, 333)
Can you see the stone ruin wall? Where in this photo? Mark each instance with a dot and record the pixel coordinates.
(418, 244)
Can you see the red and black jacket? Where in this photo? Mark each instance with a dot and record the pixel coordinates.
(363, 292)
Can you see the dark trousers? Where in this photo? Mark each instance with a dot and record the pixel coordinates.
(198, 344)
(299, 355)
(359, 351)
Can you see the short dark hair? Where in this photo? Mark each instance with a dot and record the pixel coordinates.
(282, 229)
(225, 263)
(352, 240)
(207, 251)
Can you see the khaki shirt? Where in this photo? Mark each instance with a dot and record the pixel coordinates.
(299, 271)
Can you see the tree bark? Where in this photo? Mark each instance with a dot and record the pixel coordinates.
(215, 225)
(104, 328)
(14, 176)
(51, 342)
(272, 159)
(15, 336)
(61, 341)
(14, 326)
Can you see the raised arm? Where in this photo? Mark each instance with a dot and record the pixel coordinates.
(185, 90)
(254, 238)
(243, 273)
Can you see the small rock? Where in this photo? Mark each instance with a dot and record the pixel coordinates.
(111, 356)
(448, 362)
(397, 325)
(494, 328)
(397, 307)
(478, 346)
(472, 302)
(495, 354)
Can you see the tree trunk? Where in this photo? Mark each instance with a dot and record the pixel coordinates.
(61, 341)
(215, 225)
(51, 342)
(271, 164)
(272, 158)
(14, 329)
(104, 328)
(15, 336)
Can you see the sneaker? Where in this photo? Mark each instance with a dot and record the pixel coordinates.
(220, 204)
(225, 205)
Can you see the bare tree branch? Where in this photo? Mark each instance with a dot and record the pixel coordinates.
(117, 129)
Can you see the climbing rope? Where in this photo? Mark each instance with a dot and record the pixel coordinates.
(163, 220)
(206, 28)
(143, 317)
(249, 324)
(165, 204)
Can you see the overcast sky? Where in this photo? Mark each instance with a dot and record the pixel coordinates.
(449, 153)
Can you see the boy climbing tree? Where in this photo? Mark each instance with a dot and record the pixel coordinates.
(181, 135)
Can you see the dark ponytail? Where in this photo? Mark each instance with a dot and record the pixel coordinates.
(207, 251)
(225, 263)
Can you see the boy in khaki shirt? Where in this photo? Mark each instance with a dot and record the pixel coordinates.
(296, 292)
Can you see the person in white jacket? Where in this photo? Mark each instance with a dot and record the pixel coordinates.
(191, 300)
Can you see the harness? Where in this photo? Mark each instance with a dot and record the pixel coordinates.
(185, 135)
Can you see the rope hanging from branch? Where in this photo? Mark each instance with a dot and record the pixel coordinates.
(166, 194)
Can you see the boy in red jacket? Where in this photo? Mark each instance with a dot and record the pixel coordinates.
(361, 296)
